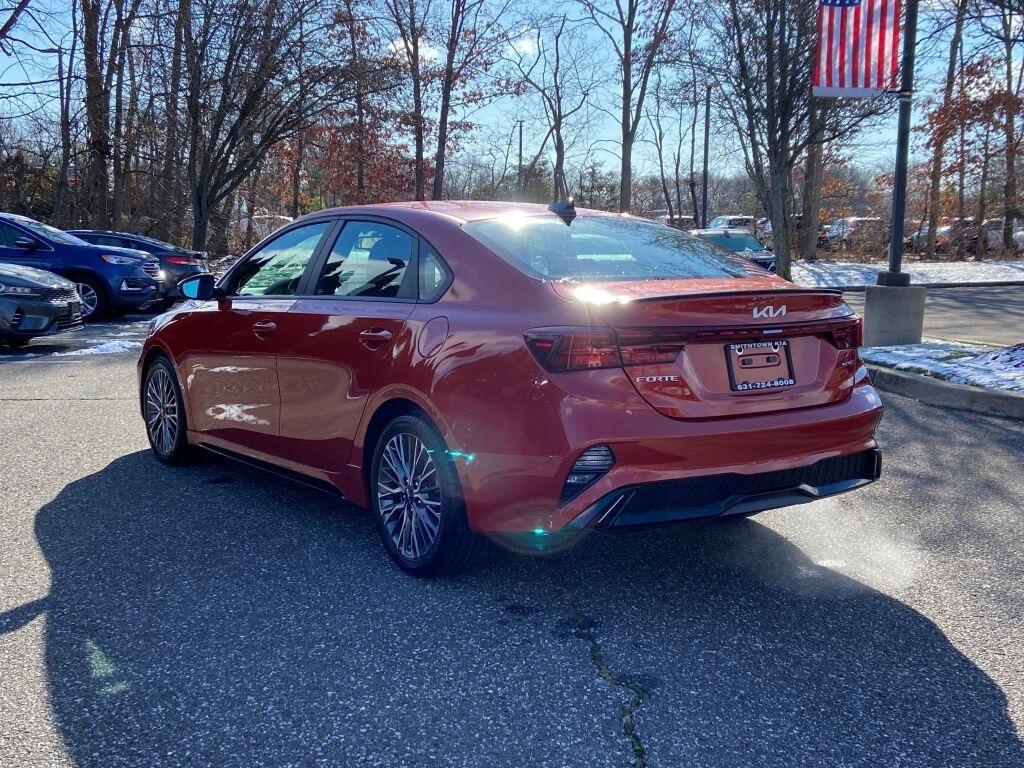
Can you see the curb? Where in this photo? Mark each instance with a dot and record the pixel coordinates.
(980, 284)
(990, 402)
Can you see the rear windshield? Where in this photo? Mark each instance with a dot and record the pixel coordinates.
(734, 242)
(601, 247)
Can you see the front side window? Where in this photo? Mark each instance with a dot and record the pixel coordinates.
(368, 260)
(277, 268)
(50, 233)
(8, 235)
(602, 248)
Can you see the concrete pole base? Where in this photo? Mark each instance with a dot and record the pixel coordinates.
(893, 315)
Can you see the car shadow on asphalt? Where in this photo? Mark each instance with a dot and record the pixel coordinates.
(214, 615)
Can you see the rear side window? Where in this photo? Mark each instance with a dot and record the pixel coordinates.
(602, 247)
(277, 268)
(433, 275)
(114, 242)
(368, 260)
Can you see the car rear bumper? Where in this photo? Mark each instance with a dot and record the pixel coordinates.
(674, 501)
(750, 463)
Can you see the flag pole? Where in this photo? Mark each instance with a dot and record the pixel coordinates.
(899, 193)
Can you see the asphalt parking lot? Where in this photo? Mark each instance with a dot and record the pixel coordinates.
(213, 615)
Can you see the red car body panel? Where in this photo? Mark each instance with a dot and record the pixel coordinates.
(304, 395)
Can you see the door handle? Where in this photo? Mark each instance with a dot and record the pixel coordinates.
(264, 327)
(372, 338)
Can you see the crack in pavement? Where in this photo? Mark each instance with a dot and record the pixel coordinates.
(582, 628)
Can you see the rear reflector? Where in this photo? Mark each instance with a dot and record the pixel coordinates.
(186, 260)
(591, 464)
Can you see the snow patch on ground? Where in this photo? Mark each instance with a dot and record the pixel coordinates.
(974, 364)
(113, 347)
(821, 274)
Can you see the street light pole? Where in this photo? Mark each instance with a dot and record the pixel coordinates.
(519, 180)
(899, 191)
(704, 173)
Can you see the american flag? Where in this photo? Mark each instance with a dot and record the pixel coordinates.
(858, 47)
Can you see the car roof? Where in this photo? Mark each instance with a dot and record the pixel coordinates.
(722, 231)
(461, 210)
(102, 232)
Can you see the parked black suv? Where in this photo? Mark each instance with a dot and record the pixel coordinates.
(35, 303)
(176, 263)
(107, 279)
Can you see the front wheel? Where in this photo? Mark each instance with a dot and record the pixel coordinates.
(164, 411)
(95, 302)
(417, 501)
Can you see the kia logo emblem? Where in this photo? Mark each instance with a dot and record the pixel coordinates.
(770, 311)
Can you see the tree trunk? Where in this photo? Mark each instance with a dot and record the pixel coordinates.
(1010, 182)
(935, 179)
(300, 152)
(982, 246)
(65, 83)
(98, 140)
(813, 172)
(560, 189)
(167, 184)
(778, 205)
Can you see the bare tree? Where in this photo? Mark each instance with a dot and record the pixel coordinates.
(246, 92)
(472, 37)
(555, 64)
(409, 19)
(636, 30)
(938, 144)
(761, 52)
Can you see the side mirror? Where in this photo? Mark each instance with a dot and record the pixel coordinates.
(25, 242)
(198, 287)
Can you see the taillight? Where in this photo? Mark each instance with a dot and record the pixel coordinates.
(186, 260)
(573, 349)
(650, 347)
(849, 334)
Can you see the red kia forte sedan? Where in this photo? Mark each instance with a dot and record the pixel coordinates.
(525, 372)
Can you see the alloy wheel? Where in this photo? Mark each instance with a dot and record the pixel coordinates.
(90, 299)
(161, 411)
(409, 495)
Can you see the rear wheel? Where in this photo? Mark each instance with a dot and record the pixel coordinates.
(417, 501)
(95, 302)
(164, 411)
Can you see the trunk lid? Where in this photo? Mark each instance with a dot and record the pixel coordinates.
(713, 348)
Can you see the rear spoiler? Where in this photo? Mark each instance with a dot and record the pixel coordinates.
(758, 292)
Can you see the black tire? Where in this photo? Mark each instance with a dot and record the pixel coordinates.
(454, 545)
(160, 379)
(17, 343)
(89, 287)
